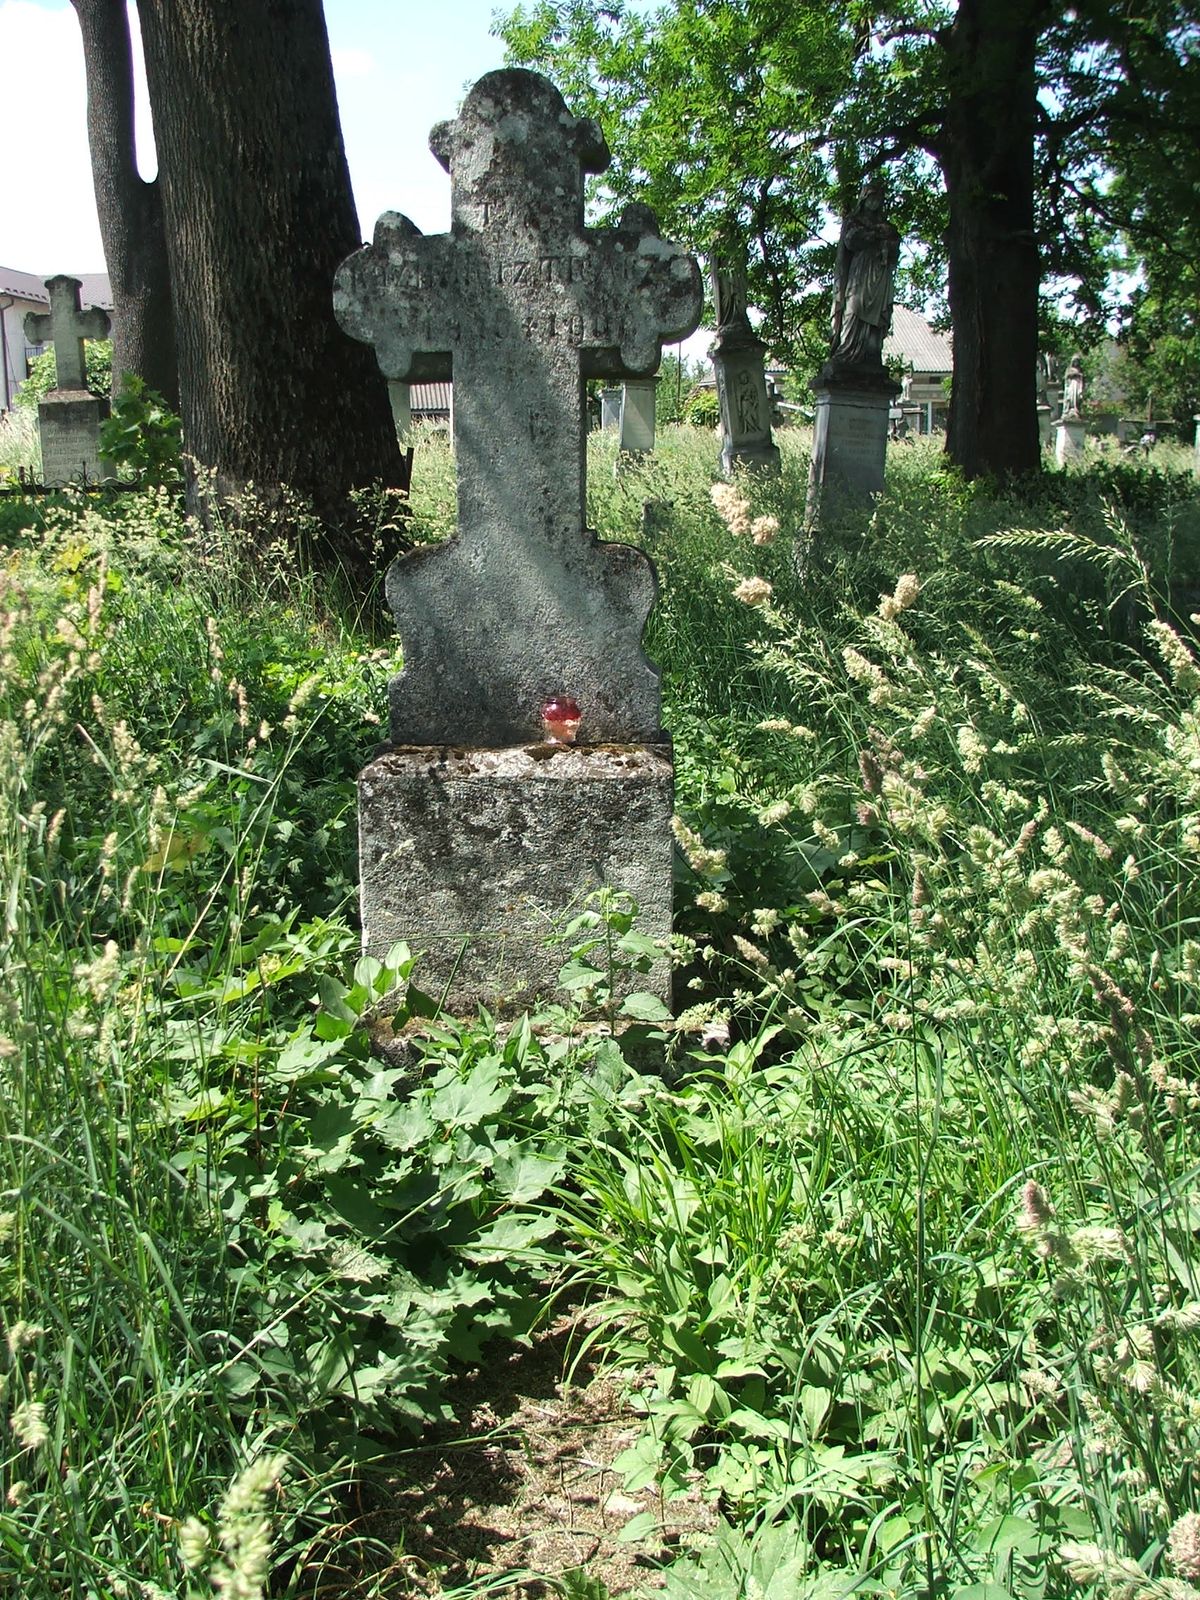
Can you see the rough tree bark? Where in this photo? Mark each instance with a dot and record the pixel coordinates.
(259, 213)
(986, 151)
(129, 207)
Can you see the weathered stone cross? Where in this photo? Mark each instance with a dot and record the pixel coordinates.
(524, 303)
(67, 326)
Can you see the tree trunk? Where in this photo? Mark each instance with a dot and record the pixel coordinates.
(259, 214)
(130, 209)
(986, 153)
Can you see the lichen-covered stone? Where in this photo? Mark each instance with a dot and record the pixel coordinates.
(475, 857)
(520, 302)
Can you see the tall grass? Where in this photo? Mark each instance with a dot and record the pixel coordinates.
(19, 442)
(143, 806)
(898, 1255)
(913, 1256)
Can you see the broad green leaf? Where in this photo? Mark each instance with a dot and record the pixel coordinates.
(645, 1008)
(469, 1101)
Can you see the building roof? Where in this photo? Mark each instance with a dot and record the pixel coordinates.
(96, 289)
(429, 399)
(922, 349)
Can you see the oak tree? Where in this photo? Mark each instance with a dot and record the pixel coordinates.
(256, 214)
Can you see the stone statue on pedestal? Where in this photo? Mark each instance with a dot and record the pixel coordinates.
(1072, 399)
(867, 255)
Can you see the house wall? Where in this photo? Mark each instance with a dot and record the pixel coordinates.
(13, 347)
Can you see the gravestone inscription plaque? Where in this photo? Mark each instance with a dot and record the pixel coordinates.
(524, 608)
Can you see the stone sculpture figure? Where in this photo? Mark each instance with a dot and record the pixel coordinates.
(1073, 387)
(868, 251)
(729, 292)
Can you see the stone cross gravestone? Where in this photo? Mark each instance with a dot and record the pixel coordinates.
(476, 833)
(69, 416)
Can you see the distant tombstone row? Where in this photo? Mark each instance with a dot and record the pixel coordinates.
(69, 415)
(527, 761)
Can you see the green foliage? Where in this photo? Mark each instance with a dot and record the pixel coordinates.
(142, 436)
(97, 355)
(702, 408)
(897, 1257)
(750, 119)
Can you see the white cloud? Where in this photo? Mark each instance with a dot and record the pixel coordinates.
(48, 213)
(48, 218)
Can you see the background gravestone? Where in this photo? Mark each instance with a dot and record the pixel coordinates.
(738, 356)
(638, 399)
(69, 415)
(1070, 431)
(476, 834)
(853, 390)
(610, 407)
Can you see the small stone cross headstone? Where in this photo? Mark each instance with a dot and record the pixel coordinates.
(69, 416)
(476, 834)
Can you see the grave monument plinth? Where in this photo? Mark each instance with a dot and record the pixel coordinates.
(527, 762)
(850, 434)
(639, 398)
(69, 415)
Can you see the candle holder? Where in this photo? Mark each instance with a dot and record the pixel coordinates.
(561, 719)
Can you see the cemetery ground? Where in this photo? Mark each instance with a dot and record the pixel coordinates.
(874, 1269)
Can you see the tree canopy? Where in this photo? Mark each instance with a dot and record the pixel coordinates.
(1015, 141)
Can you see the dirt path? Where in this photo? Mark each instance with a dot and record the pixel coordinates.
(526, 1481)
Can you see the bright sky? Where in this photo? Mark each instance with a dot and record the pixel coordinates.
(399, 69)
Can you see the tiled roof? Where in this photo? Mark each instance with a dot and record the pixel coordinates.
(96, 290)
(429, 399)
(913, 339)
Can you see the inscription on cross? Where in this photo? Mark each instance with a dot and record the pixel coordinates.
(522, 303)
(68, 327)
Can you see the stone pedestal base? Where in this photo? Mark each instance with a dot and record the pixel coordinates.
(69, 428)
(849, 442)
(476, 856)
(1069, 434)
(639, 398)
(1044, 425)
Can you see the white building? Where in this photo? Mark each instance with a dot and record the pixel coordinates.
(25, 291)
(928, 357)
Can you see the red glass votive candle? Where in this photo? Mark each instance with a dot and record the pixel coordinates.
(561, 719)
